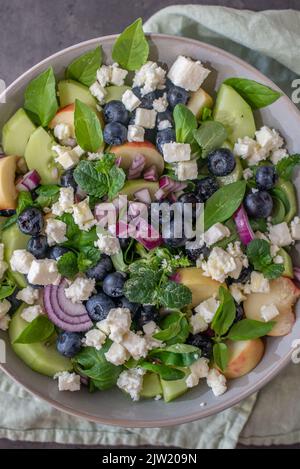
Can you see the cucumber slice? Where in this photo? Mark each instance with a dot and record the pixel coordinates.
(70, 90)
(115, 93)
(16, 133)
(135, 185)
(151, 386)
(236, 174)
(285, 191)
(14, 239)
(173, 389)
(278, 213)
(287, 262)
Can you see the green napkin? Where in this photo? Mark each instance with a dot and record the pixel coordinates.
(274, 419)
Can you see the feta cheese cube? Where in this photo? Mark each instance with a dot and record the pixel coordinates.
(104, 75)
(161, 104)
(237, 291)
(145, 118)
(43, 272)
(258, 283)
(98, 92)
(247, 174)
(163, 125)
(278, 260)
(135, 345)
(131, 381)
(95, 156)
(119, 322)
(187, 73)
(199, 369)
(65, 202)
(62, 131)
(136, 133)
(220, 265)
(117, 354)
(4, 323)
(268, 139)
(268, 312)
(108, 244)
(130, 100)
(118, 75)
(3, 268)
(150, 328)
(29, 295)
(21, 261)
(94, 338)
(278, 155)
(198, 324)
(207, 309)
(187, 170)
(176, 152)
(80, 290)
(5, 306)
(67, 159)
(78, 151)
(295, 228)
(83, 216)
(56, 231)
(245, 147)
(217, 382)
(280, 234)
(103, 327)
(68, 381)
(150, 77)
(31, 313)
(215, 234)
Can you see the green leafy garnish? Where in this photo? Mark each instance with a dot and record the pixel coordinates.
(9, 222)
(88, 129)
(24, 201)
(225, 314)
(206, 114)
(254, 93)
(47, 195)
(248, 329)
(259, 255)
(259, 224)
(39, 330)
(88, 257)
(286, 166)
(185, 124)
(210, 136)
(67, 265)
(221, 356)
(7, 287)
(181, 355)
(84, 68)
(40, 98)
(175, 329)
(131, 49)
(165, 372)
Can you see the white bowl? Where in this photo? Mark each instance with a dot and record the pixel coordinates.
(113, 407)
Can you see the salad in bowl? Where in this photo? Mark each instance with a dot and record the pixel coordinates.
(146, 226)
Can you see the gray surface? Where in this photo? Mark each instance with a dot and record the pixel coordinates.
(33, 29)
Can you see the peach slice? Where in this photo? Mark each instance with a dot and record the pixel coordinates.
(198, 101)
(244, 356)
(201, 287)
(128, 151)
(8, 192)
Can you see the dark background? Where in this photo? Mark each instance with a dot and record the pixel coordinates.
(31, 30)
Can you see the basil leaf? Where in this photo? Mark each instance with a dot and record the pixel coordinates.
(248, 329)
(39, 330)
(259, 224)
(225, 314)
(174, 295)
(254, 93)
(88, 130)
(117, 180)
(223, 203)
(6, 290)
(221, 356)
(185, 124)
(166, 373)
(206, 114)
(88, 258)
(67, 265)
(131, 49)
(9, 222)
(84, 68)
(259, 255)
(173, 328)
(40, 98)
(181, 355)
(90, 180)
(210, 136)
(24, 201)
(286, 166)
(47, 195)
(184, 330)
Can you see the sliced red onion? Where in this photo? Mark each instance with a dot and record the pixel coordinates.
(151, 174)
(118, 161)
(29, 181)
(168, 185)
(143, 195)
(243, 226)
(147, 235)
(172, 197)
(160, 194)
(297, 273)
(175, 277)
(137, 166)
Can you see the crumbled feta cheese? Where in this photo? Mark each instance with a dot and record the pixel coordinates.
(4, 322)
(187, 170)
(68, 381)
(199, 370)
(43, 272)
(4, 308)
(280, 234)
(219, 265)
(3, 268)
(269, 312)
(217, 382)
(145, 118)
(237, 291)
(108, 244)
(62, 131)
(67, 157)
(176, 152)
(149, 77)
(278, 155)
(65, 202)
(21, 261)
(119, 322)
(1, 251)
(83, 216)
(78, 151)
(150, 328)
(131, 381)
(245, 147)
(278, 260)
(258, 283)
(260, 235)
(247, 174)
(274, 250)
(117, 354)
(80, 290)
(161, 104)
(103, 327)
(118, 75)
(135, 345)
(163, 125)
(98, 92)
(136, 133)
(130, 100)
(207, 309)
(215, 234)
(268, 139)
(187, 73)
(198, 324)
(56, 231)
(29, 295)
(295, 228)
(31, 313)
(104, 75)
(94, 338)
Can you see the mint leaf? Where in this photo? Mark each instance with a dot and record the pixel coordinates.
(131, 49)
(221, 355)
(47, 195)
(248, 329)
(90, 180)
(177, 355)
(174, 295)
(67, 265)
(286, 166)
(210, 136)
(24, 201)
(84, 68)
(40, 98)
(254, 93)
(223, 203)
(117, 178)
(273, 271)
(141, 287)
(225, 314)
(39, 330)
(88, 130)
(166, 373)
(185, 124)
(88, 257)
(259, 255)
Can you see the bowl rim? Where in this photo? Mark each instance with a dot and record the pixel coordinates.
(201, 413)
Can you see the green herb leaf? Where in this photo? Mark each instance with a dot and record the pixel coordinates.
(89, 179)
(9, 222)
(175, 295)
(185, 124)
(141, 288)
(286, 166)
(6, 290)
(259, 255)
(181, 355)
(47, 195)
(206, 114)
(170, 328)
(88, 130)
(223, 203)
(225, 314)
(88, 257)
(254, 93)
(117, 178)
(166, 373)
(40, 98)
(131, 49)
(84, 68)
(210, 136)
(221, 356)
(39, 330)
(259, 224)
(67, 265)
(248, 329)
(24, 201)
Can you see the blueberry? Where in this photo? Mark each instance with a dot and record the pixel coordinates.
(194, 254)
(240, 314)
(38, 246)
(243, 277)
(205, 188)
(137, 91)
(259, 204)
(115, 133)
(56, 252)
(173, 236)
(221, 162)
(98, 306)
(150, 135)
(115, 111)
(30, 221)
(67, 179)
(7, 213)
(203, 342)
(125, 303)
(177, 95)
(265, 177)
(15, 303)
(146, 314)
(165, 136)
(101, 269)
(113, 284)
(68, 343)
(147, 100)
(165, 116)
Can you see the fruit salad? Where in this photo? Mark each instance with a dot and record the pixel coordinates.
(146, 226)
